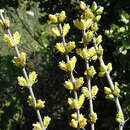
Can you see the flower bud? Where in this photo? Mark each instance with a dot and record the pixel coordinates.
(85, 91)
(88, 23)
(60, 47)
(81, 100)
(32, 77)
(95, 27)
(69, 85)
(103, 67)
(40, 104)
(22, 81)
(119, 117)
(99, 39)
(37, 126)
(94, 90)
(109, 67)
(82, 123)
(94, 6)
(46, 121)
(91, 71)
(66, 29)
(7, 22)
(100, 10)
(56, 31)
(22, 59)
(109, 96)
(107, 90)
(116, 91)
(93, 117)
(74, 123)
(88, 36)
(100, 50)
(82, 5)
(62, 65)
(61, 16)
(53, 18)
(71, 63)
(101, 74)
(70, 46)
(97, 18)
(79, 82)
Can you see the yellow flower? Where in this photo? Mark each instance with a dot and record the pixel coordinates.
(22, 81)
(16, 38)
(74, 123)
(8, 40)
(22, 58)
(82, 5)
(81, 100)
(74, 116)
(100, 50)
(94, 90)
(99, 39)
(119, 117)
(86, 92)
(15, 61)
(88, 13)
(66, 29)
(73, 103)
(109, 67)
(88, 36)
(61, 16)
(77, 24)
(71, 63)
(82, 123)
(91, 71)
(69, 85)
(103, 67)
(83, 24)
(56, 31)
(95, 27)
(70, 46)
(93, 117)
(100, 10)
(7, 22)
(101, 74)
(116, 91)
(109, 96)
(62, 65)
(32, 77)
(37, 126)
(89, 23)
(46, 121)
(40, 104)
(53, 18)
(60, 47)
(94, 6)
(79, 82)
(79, 52)
(107, 90)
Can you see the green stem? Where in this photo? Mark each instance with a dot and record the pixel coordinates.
(71, 74)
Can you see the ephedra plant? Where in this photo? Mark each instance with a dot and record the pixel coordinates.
(27, 80)
(91, 51)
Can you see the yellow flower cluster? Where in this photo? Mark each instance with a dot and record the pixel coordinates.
(69, 66)
(87, 93)
(108, 92)
(93, 117)
(56, 18)
(119, 117)
(104, 68)
(32, 78)
(66, 29)
(76, 104)
(21, 60)
(56, 31)
(46, 122)
(90, 53)
(40, 104)
(74, 121)
(69, 47)
(12, 41)
(77, 84)
(91, 71)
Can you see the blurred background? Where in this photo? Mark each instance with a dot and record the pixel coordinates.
(30, 19)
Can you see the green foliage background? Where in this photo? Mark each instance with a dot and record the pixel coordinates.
(38, 42)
